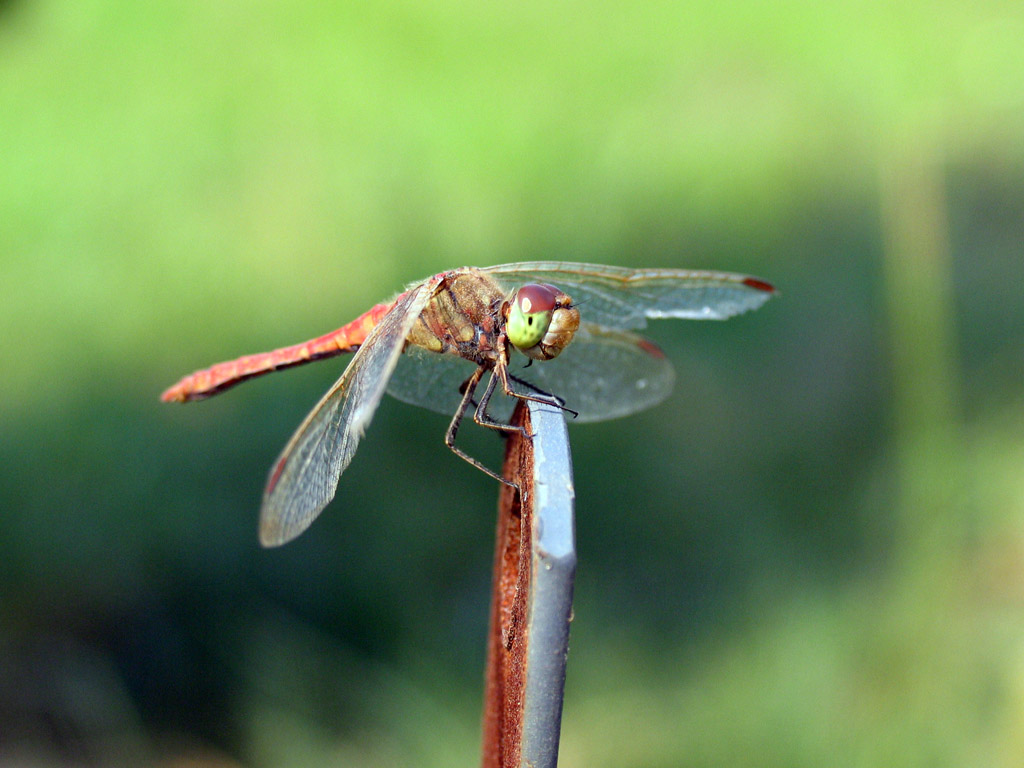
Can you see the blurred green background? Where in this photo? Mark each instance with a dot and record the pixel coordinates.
(812, 554)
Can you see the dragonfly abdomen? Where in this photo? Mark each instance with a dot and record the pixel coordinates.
(222, 376)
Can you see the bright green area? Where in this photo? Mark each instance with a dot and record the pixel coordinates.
(812, 555)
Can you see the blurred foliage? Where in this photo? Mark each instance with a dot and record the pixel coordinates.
(812, 554)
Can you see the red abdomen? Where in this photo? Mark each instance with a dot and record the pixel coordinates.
(215, 379)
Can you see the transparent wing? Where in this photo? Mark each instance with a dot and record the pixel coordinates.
(305, 476)
(430, 380)
(603, 374)
(616, 297)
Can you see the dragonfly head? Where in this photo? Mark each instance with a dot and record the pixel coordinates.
(540, 321)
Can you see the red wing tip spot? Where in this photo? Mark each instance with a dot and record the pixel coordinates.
(759, 285)
(275, 476)
(173, 395)
(651, 348)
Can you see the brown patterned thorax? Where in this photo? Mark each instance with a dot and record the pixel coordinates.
(462, 318)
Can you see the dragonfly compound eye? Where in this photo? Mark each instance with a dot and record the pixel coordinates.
(530, 315)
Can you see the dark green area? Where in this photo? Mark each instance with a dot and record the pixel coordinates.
(813, 554)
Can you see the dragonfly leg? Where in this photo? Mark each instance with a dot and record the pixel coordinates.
(543, 393)
(453, 428)
(545, 398)
(484, 419)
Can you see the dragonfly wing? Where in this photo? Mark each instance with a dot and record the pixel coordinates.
(616, 297)
(305, 476)
(604, 374)
(430, 380)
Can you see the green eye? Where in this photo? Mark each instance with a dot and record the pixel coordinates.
(530, 315)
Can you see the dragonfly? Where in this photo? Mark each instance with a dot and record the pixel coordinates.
(575, 325)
